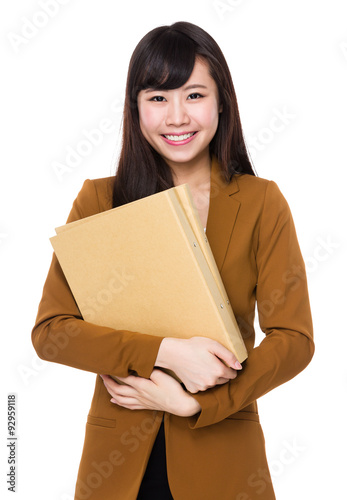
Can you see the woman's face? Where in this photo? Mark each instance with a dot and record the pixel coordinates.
(180, 123)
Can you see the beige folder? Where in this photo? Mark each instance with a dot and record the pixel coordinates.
(147, 267)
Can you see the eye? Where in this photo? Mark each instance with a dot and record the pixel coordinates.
(195, 96)
(157, 98)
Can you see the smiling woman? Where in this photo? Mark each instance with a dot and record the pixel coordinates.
(188, 93)
(150, 437)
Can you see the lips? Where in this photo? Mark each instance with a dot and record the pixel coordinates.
(182, 137)
(179, 139)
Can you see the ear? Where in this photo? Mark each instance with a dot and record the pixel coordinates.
(220, 108)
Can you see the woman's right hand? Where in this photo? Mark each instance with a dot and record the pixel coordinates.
(198, 362)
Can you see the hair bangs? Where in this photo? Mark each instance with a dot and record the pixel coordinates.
(169, 63)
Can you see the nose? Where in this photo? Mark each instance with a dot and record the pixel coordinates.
(176, 113)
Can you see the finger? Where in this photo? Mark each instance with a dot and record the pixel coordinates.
(227, 356)
(109, 381)
(130, 380)
(193, 389)
(228, 373)
(223, 380)
(132, 406)
(118, 389)
(124, 391)
(124, 401)
(129, 403)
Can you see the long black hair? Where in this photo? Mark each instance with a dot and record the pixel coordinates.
(157, 63)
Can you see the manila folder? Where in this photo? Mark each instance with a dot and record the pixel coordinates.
(146, 267)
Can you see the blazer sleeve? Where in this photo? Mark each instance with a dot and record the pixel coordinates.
(62, 336)
(284, 316)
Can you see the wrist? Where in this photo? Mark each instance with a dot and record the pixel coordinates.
(165, 353)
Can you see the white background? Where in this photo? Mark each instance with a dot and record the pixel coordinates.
(284, 57)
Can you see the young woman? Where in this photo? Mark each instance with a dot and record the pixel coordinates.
(153, 438)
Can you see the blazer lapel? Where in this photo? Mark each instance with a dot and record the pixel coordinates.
(222, 213)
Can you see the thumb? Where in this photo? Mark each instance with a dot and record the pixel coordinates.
(226, 356)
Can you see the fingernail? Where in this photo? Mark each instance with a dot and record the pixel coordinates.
(238, 365)
(113, 400)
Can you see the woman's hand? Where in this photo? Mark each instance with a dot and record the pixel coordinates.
(159, 392)
(198, 362)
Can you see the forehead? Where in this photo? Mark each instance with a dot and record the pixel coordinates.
(201, 73)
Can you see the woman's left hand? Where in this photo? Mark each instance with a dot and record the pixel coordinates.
(160, 392)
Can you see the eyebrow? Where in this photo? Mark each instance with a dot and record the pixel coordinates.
(189, 87)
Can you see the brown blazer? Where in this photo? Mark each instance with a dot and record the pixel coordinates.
(218, 453)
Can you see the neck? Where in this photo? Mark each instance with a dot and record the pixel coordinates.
(196, 174)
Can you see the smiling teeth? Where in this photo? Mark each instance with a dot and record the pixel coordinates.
(178, 137)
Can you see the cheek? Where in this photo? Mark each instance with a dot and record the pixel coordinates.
(148, 119)
(209, 116)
